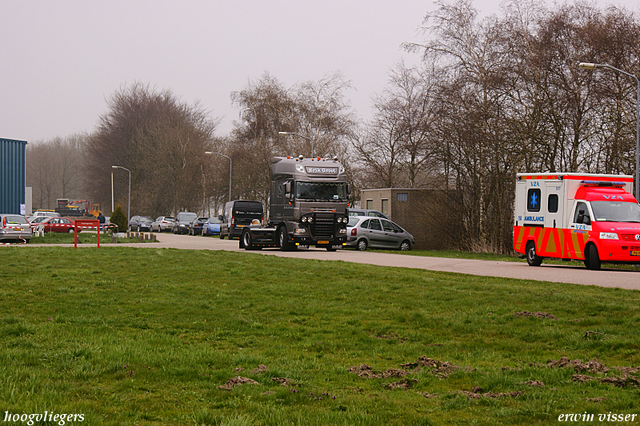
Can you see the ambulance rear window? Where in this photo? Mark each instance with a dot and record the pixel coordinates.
(533, 200)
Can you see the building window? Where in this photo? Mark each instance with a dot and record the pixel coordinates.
(402, 196)
(385, 206)
(369, 204)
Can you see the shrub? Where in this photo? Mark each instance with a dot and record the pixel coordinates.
(118, 218)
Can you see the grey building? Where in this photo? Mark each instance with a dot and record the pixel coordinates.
(12, 176)
(428, 214)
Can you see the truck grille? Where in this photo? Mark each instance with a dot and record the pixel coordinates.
(323, 225)
(628, 237)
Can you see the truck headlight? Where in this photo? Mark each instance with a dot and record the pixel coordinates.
(300, 231)
(608, 236)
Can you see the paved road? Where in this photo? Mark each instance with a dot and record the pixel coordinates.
(555, 273)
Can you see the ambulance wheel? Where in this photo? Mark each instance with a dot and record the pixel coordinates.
(591, 258)
(532, 258)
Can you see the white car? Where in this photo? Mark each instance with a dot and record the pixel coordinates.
(44, 213)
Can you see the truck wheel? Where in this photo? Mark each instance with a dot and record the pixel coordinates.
(594, 262)
(362, 245)
(532, 257)
(245, 240)
(283, 239)
(221, 236)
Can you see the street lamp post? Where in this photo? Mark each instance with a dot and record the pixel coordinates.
(592, 66)
(230, 163)
(129, 202)
(302, 136)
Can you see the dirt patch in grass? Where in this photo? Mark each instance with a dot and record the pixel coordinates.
(260, 369)
(621, 382)
(441, 369)
(626, 378)
(541, 315)
(578, 365)
(402, 384)
(237, 381)
(284, 381)
(367, 372)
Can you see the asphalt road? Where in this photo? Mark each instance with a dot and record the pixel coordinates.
(520, 270)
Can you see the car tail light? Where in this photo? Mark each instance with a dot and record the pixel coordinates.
(4, 222)
(354, 231)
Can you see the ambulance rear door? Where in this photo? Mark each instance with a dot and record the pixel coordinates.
(555, 205)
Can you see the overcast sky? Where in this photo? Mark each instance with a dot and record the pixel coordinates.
(60, 60)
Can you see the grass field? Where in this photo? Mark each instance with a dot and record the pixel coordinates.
(150, 336)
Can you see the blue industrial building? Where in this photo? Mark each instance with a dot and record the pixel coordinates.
(12, 176)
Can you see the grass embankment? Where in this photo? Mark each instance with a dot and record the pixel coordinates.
(148, 336)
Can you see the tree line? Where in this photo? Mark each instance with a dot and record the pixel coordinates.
(491, 97)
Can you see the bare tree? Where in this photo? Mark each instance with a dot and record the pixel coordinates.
(315, 110)
(55, 170)
(161, 141)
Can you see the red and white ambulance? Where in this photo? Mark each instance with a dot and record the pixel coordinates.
(589, 217)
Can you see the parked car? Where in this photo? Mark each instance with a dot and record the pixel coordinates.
(140, 223)
(366, 212)
(162, 223)
(211, 226)
(34, 220)
(14, 227)
(196, 225)
(182, 222)
(365, 231)
(58, 224)
(44, 213)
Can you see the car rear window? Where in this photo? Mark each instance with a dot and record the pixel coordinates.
(184, 217)
(15, 219)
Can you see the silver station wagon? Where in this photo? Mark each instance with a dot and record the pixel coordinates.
(14, 227)
(380, 233)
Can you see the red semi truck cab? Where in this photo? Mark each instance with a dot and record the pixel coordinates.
(582, 216)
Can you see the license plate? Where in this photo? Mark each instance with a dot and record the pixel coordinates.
(239, 226)
(635, 252)
(323, 242)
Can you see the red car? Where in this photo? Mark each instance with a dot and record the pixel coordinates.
(57, 224)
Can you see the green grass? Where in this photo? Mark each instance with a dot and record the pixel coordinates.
(146, 336)
(83, 238)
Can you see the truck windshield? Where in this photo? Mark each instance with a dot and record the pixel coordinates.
(609, 211)
(321, 190)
